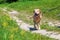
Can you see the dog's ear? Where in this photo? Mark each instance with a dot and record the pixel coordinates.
(40, 12)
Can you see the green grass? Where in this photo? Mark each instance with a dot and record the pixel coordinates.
(50, 28)
(9, 30)
(26, 10)
(50, 10)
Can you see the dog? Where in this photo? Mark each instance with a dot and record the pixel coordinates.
(37, 18)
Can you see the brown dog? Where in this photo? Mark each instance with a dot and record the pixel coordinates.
(37, 18)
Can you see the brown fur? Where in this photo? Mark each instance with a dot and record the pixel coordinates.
(37, 18)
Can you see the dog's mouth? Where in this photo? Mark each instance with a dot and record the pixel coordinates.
(36, 14)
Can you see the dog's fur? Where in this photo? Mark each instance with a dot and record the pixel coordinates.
(37, 18)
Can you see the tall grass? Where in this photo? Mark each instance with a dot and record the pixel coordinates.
(50, 8)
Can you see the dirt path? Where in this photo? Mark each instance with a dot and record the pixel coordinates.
(28, 27)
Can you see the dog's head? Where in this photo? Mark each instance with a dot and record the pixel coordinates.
(37, 11)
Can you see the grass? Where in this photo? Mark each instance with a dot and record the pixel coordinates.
(50, 10)
(9, 30)
(50, 28)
